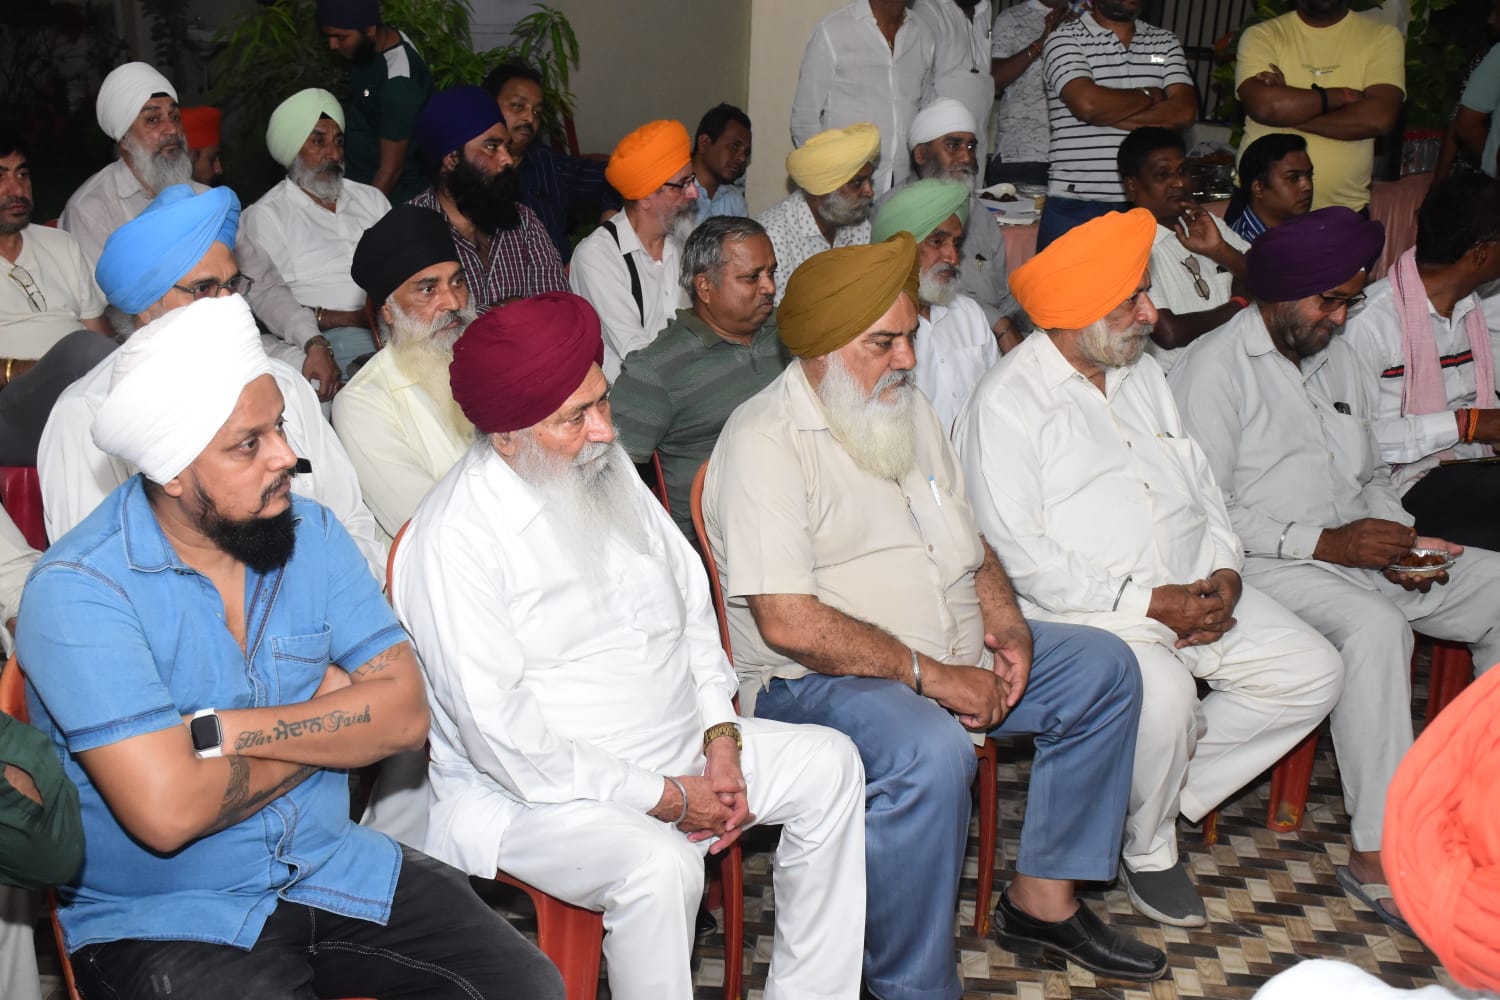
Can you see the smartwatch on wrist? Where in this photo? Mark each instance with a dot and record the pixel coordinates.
(207, 734)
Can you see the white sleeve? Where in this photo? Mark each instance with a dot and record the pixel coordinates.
(814, 83)
(598, 274)
(75, 475)
(270, 298)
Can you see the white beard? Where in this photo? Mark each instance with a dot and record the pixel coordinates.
(936, 290)
(880, 436)
(322, 185)
(158, 171)
(424, 355)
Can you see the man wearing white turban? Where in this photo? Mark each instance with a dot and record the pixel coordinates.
(137, 108)
(237, 661)
(311, 221)
(176, 252)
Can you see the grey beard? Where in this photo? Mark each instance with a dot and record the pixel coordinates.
(158, 171)
(324, 185)
(938, 291)
(931, 169)
(839, 209)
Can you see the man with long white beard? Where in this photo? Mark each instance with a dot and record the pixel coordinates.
(954, 346)
(310, 222)
(834, 173)
(1107, 515)
(628, 267)
(503, 246)
(861, 595)
(137, 108)
(584, 738)
(397, 418)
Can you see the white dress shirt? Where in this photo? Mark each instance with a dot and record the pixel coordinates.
(1022, 134)
(795, 236)
(1093, 499)
(1291, 447)
(955, 347)
(598, 273)
(1172, 284)
(396, 437)
(113, 196)
(1411, 444)
(312, 247)
(65, 280)
(75, 475)
(544, 687)
(961, 60)
(850, 74)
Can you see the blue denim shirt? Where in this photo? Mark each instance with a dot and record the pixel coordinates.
(119, 637)
(729, 199)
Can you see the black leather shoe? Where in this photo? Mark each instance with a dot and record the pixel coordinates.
(705, 924)
(1082, 938)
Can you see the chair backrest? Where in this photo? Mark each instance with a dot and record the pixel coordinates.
(660, 486)
(13, 692)
(695, 503)
(21, 495)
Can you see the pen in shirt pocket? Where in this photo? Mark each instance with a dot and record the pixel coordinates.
(937, 497)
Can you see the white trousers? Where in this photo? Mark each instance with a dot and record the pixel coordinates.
(648, 879)
(18, 975)
(1372, 722)
(1273, 678)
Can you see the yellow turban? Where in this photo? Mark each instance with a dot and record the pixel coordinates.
(1087, 271)
(1442, 835)
(648, 157)
(836, 295)
(825, 162)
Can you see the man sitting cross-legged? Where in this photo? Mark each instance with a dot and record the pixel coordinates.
(584, 738)
(209, 655)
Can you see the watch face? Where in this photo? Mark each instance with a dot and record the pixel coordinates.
(205, 732)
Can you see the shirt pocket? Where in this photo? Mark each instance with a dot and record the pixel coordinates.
(299, 663)
(1349, 442)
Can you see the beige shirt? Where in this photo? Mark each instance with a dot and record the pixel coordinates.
(66, 290)
(789, 512)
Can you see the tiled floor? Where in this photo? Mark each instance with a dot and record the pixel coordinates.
(1272, 900)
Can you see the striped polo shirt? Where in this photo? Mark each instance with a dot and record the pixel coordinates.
(1083, 156)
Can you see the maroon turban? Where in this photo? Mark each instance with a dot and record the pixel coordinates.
(1312, 253)
(515, 365)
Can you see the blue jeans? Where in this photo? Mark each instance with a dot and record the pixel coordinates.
(349, 343)
(1060, 214)
(442, 941)
(1082, 703)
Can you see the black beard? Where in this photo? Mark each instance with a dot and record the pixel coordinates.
(488, 202)
(261, 543)
(366, 53)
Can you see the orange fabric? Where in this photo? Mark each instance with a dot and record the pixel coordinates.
(1441, 847)
(1086, 272)
(201, 126)
(648, 157)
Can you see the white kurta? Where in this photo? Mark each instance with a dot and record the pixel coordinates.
(955, 347)
(1093, 499)
(312, 247)
(76, 475)
(65, 279)
(557, 708)
(961, 61)
(598, 273)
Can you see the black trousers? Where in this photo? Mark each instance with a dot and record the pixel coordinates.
(1460, 503)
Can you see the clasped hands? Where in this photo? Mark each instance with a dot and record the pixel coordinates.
(716, 802)
(979, 696)
(1199, 612)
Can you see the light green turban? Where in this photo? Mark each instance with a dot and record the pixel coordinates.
(920, 208)
(294, 119)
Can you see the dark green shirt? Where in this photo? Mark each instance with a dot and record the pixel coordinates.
(674, 395)
(388, 94)
(40, 845)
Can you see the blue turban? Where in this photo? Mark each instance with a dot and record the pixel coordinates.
(144, 258)
(1311, 253)
(454, 117)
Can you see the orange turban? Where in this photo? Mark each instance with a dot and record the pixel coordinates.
(836, 295)
(648, 157)
(201, 126)
(1087, 271)
(1441, 847)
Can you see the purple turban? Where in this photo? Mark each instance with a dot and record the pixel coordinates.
(452, 118)
(1312, 253)
(515, 365)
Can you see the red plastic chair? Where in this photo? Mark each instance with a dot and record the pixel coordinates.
(1452, 669)
(985, 787)
(21, 495)
(660, 489)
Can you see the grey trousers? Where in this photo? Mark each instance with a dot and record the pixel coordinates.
(26, 402)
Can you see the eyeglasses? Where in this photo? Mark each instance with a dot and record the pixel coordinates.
(22, 277)
(1199, 285)
(209, 288)
(1333, 303)
(691, 180)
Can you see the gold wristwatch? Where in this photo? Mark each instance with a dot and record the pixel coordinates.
(723, 729)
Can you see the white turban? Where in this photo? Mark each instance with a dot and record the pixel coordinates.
(294, 119)
(940, 118)
(124, 92)
(175, 382)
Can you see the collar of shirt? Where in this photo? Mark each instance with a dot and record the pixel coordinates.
(146, 547)
(706, 334)
(1056, 370)
(513, 494)
(1257, 343)
(802, 400)
(126, 184)
(629, 242)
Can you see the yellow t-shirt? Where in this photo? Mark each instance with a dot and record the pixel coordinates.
(1358, 52)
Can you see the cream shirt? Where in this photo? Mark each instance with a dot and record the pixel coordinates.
(312, 247)
(65, 279)
(1090, 499)
(76, 475)
(1172, 285)
(789, 512)
(396, 438)
(955, 347)
(598, 273)
(544, 688)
